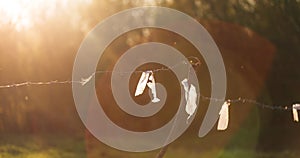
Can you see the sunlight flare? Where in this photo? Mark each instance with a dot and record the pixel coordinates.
(23, 13)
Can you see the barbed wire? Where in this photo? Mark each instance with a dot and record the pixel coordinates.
(194, 61)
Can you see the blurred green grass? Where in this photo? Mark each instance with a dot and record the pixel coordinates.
(58, 146)
(229, 144)
(41, 146)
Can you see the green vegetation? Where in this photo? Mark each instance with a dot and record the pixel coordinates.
(42, 146)
(49, 146)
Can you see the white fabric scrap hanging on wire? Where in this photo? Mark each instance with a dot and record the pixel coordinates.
(147, 79)
(151, 85)
(190, 97)
(224, 117)
(142, 83)
(295, 109)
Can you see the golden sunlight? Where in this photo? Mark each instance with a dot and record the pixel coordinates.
(23, 13)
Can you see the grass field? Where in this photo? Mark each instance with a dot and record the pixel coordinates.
(42, 146)
(47, 146)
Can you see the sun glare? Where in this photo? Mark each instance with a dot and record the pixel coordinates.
(22, 13)
(12, 12)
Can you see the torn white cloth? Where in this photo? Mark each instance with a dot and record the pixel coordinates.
(295, 109)
(151, 85)
(190, 97)
(142, 83)
(147, 79)
(192, 101)
(224, 116)
(186, 88)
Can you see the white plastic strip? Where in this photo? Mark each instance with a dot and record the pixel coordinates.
(190, 97)
(142, 83)
(224, 117)
(295, 109)
(191, 105)
(151, 85)
(186, 88)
